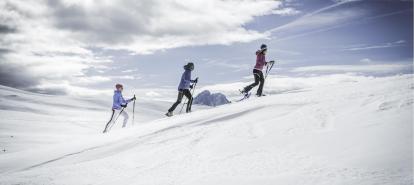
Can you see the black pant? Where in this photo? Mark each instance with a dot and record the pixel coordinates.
(258, 78)
(181, 93)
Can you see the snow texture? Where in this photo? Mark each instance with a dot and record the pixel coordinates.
(328, 130)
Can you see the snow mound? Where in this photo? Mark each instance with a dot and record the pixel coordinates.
(210, 99)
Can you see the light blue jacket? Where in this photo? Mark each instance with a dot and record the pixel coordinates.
(185, 80)
(119, 100)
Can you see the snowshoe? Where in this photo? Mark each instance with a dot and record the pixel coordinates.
(245, 96)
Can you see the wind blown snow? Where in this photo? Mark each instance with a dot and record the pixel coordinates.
(328, 130)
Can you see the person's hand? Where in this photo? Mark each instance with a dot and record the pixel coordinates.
(191, 86)
(272, 62)
(133, 98)
(124, 105)
(196, 80)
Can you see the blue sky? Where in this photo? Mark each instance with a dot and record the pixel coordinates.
(67, 46)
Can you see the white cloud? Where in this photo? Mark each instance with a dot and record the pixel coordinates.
(286, 11)
(50, 40)
(129, 70)
(366, 60)
(126, 77)
(320, 20)
(367, 68)
(398, 43)
(224, 63)
(149, 25)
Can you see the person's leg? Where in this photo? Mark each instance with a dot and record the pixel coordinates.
(187, 94)
(110, 121)
(256, 82)
(126, 117)
(179, 98)
(261, 80)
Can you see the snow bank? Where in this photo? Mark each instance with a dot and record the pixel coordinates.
(210, 99)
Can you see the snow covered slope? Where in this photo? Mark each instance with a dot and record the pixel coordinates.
(36, 119)
(328, 130)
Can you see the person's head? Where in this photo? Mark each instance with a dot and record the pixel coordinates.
(189, 66)
(119, 87)
(263, 48)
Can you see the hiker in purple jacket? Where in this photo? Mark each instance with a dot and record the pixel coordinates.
(118, 107)
(184, 89)
(257, 71)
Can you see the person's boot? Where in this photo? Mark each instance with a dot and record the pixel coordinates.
(244, 91)
(169, 114)
(260, 95)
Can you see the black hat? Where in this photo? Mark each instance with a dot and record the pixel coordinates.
(263, 47)
(189, 66)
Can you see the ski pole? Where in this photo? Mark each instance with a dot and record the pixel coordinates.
(133, 111)
(186, 100)
(268, 69)
(192, 93)
(194, 86)
(122, 110)
(109, 122)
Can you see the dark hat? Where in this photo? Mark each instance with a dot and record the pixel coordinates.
(189, 66)
(263, 47)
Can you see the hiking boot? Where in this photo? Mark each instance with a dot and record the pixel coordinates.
(169, 114)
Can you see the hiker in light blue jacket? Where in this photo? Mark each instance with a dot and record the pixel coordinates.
(184, 89)
(118, 107)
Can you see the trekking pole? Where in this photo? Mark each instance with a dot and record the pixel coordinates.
(186, 100)
(133, 111)
(194, 86)
(269, 68)
(122, 110)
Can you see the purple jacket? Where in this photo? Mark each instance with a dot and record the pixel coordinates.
(185, 80)
(119, 100)
(260, 60)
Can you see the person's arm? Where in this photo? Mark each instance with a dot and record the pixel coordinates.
(132, 99)
(187, 77)
(264, 59)
(270, 62)
(122, 101)
(195, 80)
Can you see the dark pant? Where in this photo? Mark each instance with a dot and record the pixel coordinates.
(258, 78)
(181, 93)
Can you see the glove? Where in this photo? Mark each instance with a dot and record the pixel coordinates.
(134, 98)
(124, 106)
(196, 80)
(191, 86)
(272, 62)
